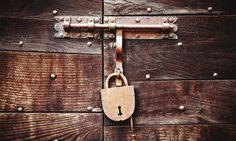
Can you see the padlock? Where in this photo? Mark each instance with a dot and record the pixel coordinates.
(118, 102)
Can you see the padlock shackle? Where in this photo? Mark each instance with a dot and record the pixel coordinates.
(113, 75)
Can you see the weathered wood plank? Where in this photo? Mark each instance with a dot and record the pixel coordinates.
(25, 81)
(42, 9)
(209, 101)
(32, 21)
(224, 132)
(208, 47)
(51, 126)
(139, 7)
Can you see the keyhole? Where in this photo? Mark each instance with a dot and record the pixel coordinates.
(119, 108)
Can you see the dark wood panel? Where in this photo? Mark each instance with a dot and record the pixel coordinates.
(131, 7)
(209, 101)
(51, 126)
(225, 132)
(25, 81)
(38, 35)
(208, 47)
(42, 9)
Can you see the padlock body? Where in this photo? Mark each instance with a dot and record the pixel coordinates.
(118, 102)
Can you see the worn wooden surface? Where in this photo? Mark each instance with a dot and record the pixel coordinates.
(139, 7)
(32, 21)
(204, 132)
(25, 81)
(158, 102)
(208, 47)
(51, 126)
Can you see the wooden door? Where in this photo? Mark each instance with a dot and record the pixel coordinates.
(185, 88)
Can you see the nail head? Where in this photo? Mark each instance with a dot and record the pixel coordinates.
(180, 44)
(79, 20)
(89, 44)
(21, 43)
(148, 76)
(149, 9)
(19, 109)
(181, 107)
(53, 76)
(137, 20)
(54, 12)
(215, 74)
(210, 9)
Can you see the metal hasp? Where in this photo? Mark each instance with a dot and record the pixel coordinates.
(133, 27)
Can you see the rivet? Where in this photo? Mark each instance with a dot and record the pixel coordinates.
(78, 35)
(137, 20)
(165, 20)
(89, 44)
(137, 36)
(181, 107)
(89, 108)
(67, 19)
(91, 20)
(179, 44)
(215, 74)
(148, 76)
(95, 35)
(106, 20)
(54, 12)
(53, 76)
(97, 20)
(149, 9)
(171, 20)
(210, 9)
(106, 35)
(55, 140)
(21, 43)
(112, 21)
(61, 18)
(79, 20)
(19, 109)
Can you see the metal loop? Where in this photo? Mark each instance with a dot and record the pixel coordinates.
(113, 75)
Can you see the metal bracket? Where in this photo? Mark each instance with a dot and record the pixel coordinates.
(133, 27)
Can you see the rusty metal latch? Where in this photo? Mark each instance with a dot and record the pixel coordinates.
(133, 27)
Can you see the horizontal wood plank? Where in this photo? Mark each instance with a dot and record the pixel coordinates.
(224, 132)
(25, 81)
(208, 47)
(42, 9)
(51, 126)
(139, 7)
(32, 21)
(160, 102)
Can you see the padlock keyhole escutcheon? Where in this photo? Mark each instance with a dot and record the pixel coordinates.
(118, 103)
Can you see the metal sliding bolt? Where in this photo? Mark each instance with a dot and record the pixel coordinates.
(53, 76)
(21, 43)
(179, 44)
(181, 108)
(54, 12)
(89, 44)
(148, 76)
(210, 9)
(215, 74)
(149, 9)
(137, 20)
(19, 109)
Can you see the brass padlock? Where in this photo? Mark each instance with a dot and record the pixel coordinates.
(118, 102)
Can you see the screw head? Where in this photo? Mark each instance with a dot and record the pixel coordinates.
(89, 108)
(179, 44)
(89, 44)
(210, 9)
(54, 12)
(148, 76)
(215, 74)
(97, 20)
(79, 20)
(20, 109)
(53, 76)
(21, 43)
(149, 9)
(137, 20)
(181, 107)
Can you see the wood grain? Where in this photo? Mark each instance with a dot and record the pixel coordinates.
(42, 9)
(208, 47)
(25, 81)
(160, 7)
(51, 126)
(158, 102)
(32, 21)
(211, 132)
